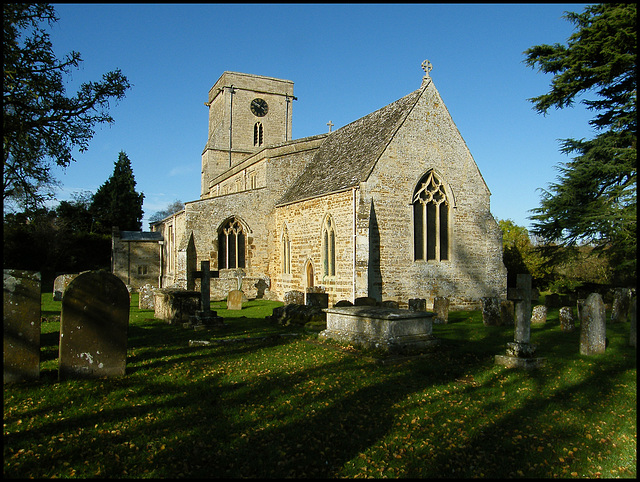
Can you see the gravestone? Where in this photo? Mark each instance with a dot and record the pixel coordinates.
(507, 313)
(234, 300)
(520, 353)
(318, 300)
(21, 324)
(364, 301)
(343, 303)
(175, 305)
(146, 297)
(565, 316)
(294, 297)
(205, 317)
(60, 284)
(490, 311)
(539, 315)
(621, 303)
(632, 328)
(552, 300)
(593, 326)
(93, 327)
(441, 310)
(417, 304)
(390, 304)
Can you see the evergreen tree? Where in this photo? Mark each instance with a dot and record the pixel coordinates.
(594, 199)
(41, 125)
(116, 202)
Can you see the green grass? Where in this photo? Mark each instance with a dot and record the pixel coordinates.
(289, 406)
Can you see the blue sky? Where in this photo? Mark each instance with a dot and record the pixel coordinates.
(345, 61)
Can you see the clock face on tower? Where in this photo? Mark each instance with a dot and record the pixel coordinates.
(259, 107)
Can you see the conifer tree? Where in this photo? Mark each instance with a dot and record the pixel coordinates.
(595, 197)
(116, 202)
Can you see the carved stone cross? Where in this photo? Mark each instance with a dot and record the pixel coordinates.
(522, 295)
(205, 275)
(330, 124)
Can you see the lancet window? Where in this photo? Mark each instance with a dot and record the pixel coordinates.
(328, 247)
(231, 245)
(430, 219)
(258, 134)
(286, 252)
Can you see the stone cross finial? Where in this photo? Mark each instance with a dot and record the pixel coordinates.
(330, 124)
(427, 67)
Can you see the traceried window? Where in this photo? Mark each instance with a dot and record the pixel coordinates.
(231, 245)
(328, 247)
(286, 252)
(258, 134)
(430, 220)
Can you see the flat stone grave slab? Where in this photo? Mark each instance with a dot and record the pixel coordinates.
(93, 327)
(21, 323)
(390, 329)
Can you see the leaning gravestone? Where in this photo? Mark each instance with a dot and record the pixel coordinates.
(21, 296)
(565, 316)
(539, 315)
(60, 284)
(507, 313)
(441, 310)
(593, 327)
(93, 327)
(621, 303)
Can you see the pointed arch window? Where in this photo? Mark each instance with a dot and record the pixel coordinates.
(258, 134)
(430, 220)
(286, 252)
(231, 245)
(328, 247)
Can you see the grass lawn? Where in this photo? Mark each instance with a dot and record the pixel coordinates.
(261, 405)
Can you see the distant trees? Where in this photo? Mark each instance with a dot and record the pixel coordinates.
(594, 200)
(116, 202)
(41, 125)
(175, 207)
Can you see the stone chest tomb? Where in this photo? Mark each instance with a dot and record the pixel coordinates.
(389, 329)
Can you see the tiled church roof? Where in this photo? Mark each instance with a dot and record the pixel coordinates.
(349, 154)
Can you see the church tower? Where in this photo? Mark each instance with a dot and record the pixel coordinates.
(246, 113)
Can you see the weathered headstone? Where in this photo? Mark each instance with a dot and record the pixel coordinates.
(93, 326)
(21, 302)
(507, 313)
(390, 304)
(441, 310)
(593, 326)
(319, 300)
(175, 305)
(632, 328)
(490, 311)
(60, 284)
(539, 315)
(146, 297)
(621, 303)
(364, 301)
(565, 316)
(417, 304)
(234, 300)
(520, 353)
(552, 300)
(294, 297)
(343, 303)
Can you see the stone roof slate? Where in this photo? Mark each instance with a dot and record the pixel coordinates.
(141, 236)
(349, 154)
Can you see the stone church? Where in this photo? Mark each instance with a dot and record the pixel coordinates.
(391, 206)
